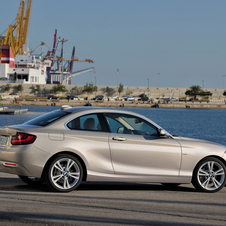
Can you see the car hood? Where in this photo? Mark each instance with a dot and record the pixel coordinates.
(201, 146)
(196, 140)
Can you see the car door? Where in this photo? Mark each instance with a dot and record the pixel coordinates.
(88, 135)
(137, 149)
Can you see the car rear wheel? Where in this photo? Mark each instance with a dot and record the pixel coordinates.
(64, 173)
(209, 175)
(31, 180)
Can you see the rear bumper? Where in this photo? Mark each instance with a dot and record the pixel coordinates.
(17, 169)
(24, 160)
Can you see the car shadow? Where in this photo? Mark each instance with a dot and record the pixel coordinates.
(15, 184)
(92, 186)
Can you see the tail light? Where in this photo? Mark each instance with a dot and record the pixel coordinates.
(22, 138)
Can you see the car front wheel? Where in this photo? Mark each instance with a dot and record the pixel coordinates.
(209, 175)
(64, 173)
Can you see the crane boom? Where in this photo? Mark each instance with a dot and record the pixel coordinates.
(67, 77)
(19, 33)
(16, 35)
(26, 23)
(62, 59)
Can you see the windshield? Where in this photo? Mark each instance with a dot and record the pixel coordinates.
(48, 118)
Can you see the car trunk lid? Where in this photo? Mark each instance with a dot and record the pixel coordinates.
(5, 135)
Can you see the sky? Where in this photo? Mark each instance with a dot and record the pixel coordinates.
(170, 43)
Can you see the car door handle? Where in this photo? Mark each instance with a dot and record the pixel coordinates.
(119, 138)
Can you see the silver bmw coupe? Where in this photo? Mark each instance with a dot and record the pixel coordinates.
(74, 144)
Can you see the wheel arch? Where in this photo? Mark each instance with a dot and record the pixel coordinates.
(69, 153)
(210, 156)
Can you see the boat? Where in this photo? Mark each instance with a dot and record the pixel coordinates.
(23, 69)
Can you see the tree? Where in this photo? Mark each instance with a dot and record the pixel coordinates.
(109, 91)
(193, 91)
(196, 90)
(120, 88)
(89, 88)
(59, 88)
(76, 90)
(7, 87)
(20, 88)
(224, 93)
(37, 89)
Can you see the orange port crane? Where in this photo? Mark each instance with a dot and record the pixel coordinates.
(62, 59)
(16, 35)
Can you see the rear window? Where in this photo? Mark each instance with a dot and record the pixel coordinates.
(48, 118)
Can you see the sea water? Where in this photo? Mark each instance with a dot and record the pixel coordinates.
(206, 124)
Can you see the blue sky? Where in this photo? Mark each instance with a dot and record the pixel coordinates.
(183, 40)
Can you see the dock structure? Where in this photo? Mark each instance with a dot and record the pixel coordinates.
(151, 92)
(7, 111)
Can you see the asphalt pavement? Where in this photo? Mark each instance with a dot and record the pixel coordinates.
(109, 204)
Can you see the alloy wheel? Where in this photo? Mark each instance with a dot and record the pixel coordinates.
(209, 175)
(64, 173)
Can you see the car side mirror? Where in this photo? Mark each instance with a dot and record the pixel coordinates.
(162, 133)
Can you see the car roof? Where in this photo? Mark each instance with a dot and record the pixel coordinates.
(87, 109)
(90, 109)
(78, 111)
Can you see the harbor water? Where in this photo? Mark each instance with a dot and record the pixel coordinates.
(206, 124)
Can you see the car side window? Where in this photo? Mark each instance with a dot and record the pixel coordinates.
(113, 124)
(128, 124)
(86, 122)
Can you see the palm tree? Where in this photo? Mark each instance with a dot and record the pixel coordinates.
(193, 91)
(196, 90)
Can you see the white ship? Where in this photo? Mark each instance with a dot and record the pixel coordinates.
(28, 69)
(23, 69)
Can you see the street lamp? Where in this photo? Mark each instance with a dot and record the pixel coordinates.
(148, 87)
(117, 80)
(203, 84)
(95, 86)
(158, 83)
(223, 80)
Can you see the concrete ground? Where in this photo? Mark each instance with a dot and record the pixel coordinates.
(109, 204)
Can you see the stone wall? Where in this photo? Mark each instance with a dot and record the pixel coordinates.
(153, 92)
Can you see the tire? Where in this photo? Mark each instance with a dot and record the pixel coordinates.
(31, 180)
(209, 175)
(63, 174)
(170, 185)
